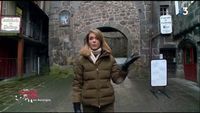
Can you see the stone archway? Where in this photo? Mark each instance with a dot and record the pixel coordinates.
(116, 40)
(133, 42)
(107, 14)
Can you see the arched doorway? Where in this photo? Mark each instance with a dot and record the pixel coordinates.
(189, 59)
(116, 40)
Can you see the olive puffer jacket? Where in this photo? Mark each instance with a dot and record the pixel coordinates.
(92, 82)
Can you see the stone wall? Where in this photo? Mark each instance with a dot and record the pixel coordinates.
(141, 67)
(133, 19)
(65, 42)
(138, 21)
(188, 27)
(119, 15)
(60, 38)
(183, 23)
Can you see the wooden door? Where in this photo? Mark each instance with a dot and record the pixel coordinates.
(169, 54)
(190, 68)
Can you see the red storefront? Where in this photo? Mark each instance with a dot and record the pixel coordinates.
(8, 58)
(23, 39)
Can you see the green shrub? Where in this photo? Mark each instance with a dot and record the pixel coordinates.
(44, 70)
(62, 71)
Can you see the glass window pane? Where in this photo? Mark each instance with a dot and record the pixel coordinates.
(188, 61)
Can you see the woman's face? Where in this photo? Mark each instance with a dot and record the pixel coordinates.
(94, 43)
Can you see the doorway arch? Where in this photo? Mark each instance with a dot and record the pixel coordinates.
(116, 40)
(189, 59)
(133, 42)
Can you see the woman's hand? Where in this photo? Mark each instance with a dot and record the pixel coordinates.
(129, 61)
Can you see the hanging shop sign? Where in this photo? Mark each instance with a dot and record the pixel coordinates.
(166, 24)
(10, 24)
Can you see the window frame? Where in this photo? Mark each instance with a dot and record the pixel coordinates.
(164, 10)
(65, 13)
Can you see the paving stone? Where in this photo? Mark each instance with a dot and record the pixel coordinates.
(133, 95)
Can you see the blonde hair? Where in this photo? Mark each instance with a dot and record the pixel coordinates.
(103, 44)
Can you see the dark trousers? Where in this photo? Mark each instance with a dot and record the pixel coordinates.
(102, 109)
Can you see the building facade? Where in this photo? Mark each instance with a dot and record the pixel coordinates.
(128, 26)
(120, 21)
(161, 42)
(24, 50)
(187, 36)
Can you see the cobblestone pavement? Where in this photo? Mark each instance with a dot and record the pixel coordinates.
(133, 95)
(9, 89)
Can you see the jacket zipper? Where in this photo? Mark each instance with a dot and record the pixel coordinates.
(98, 87)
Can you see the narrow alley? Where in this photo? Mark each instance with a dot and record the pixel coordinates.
(133, 95)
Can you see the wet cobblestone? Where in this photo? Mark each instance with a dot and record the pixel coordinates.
(133, 95)
(9, 89)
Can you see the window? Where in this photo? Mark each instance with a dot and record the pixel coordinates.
(64, 18)
(164, 10)
(18, 11)
(8, 7)
(0, 6)
(188, 55)
(42, 5)
(4, 8)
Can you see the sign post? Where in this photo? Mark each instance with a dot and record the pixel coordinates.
(159, 72)
(158, 76)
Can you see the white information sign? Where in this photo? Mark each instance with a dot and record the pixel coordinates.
(10, 24)
(159, 72)
(166, 24)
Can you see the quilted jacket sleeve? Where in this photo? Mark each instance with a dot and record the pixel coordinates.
(77, 81)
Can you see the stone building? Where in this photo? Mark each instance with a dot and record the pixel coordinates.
(23, 39)
(187, 36)
(122, 23)
(181, 47)
(162, 43)
(128, 26)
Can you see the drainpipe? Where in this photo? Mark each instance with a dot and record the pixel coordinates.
(152, 34)
(150, 45)
(38, 66)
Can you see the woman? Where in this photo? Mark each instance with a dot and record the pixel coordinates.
(94, 71)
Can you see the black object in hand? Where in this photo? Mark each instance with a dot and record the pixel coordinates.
(129, 61)
(77, 107)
